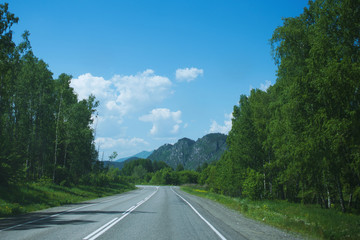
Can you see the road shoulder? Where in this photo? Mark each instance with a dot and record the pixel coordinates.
(244, 227)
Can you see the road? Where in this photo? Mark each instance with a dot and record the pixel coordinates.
(149, 212)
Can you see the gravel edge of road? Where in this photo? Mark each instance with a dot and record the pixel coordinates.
(246, 227)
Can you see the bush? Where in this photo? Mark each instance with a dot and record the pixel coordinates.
(252, 185)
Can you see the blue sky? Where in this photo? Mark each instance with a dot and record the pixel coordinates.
(162, 70)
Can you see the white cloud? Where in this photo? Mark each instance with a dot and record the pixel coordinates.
(123, 94)
(217, 128)
(265, 86)
(165, 123)
(87, 84)
(188, 74)
(135, 92)
(110, 143)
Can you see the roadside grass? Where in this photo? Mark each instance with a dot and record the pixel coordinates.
(19, 199)
(310, 221)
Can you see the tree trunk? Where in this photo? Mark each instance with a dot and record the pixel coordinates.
(56, 137)
(66, 145)
(264, 184)
(328, 198)
(350, 200)
(341, 197)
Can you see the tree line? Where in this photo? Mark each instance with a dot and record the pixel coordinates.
(300, 139)
(146, 171)
(45, 130)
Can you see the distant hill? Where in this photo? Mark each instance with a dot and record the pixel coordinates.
(192, 153)
(143, 154)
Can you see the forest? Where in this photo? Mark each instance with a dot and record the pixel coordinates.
(300, 140)
(45, 130)
(146, 171)
(297, 141)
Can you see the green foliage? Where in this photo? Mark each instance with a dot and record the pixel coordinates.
(157, 179)
(300, 139)
(139, 172)
(145, 171)
(28, 197)
(252, 185)
(167, 176)
(180, 167)
(113, 156)
(147, 166)
(45, 132)
(308, 220)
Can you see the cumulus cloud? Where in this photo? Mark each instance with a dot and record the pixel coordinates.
(165, 123)
(87, 84)
(135, 92)
(124, 94)
(217, 128)
(188, 74)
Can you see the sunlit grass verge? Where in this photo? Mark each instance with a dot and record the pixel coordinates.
(18, 199)
(307, 220)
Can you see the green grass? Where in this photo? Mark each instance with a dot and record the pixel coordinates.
(308, 220)
(18, 199)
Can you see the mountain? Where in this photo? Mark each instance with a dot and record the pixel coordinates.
(191, 153)
(143, 154)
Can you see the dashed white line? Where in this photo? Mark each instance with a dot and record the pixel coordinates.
(209, 224)
(108, 225)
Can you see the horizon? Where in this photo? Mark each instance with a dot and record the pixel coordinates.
(161, 70)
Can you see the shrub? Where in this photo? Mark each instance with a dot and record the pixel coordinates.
(252, 185)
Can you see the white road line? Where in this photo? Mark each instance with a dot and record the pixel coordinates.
(110, 224)
(129, 210)
(101, 228)
(209, 224)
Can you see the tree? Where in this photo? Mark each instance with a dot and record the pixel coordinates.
(318, 74)
(301, 136)
(179, 167)
(113, 156)
(7, 72)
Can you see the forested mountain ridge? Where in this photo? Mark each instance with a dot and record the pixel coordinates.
(190, 153)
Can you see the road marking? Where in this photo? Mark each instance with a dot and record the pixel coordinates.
(110, 224)
(130, 209)
(141, 202)
(209, 224)
(100, 229)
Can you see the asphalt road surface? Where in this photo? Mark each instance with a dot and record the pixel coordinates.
(149, 212)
